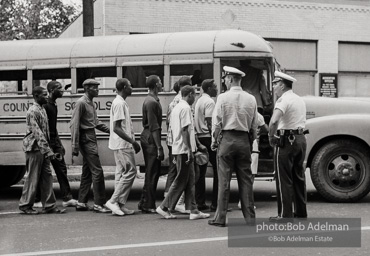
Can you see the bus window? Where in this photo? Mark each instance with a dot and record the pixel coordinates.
(138, 74)
(41, 77)
(197, 72)
(106, 76)
(13, 82)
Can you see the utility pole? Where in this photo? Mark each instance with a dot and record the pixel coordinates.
(88, 17)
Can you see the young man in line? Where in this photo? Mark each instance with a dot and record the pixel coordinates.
(84, 121)
(183, 148)
(122, 142)
(36, 145)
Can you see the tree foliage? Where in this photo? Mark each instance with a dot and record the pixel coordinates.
(31, 19)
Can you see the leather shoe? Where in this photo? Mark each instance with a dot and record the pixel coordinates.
(82, 207)
(280, 219)
(213, 223)
(101, 209)
(53, 210)
(203, 207)
(30, 211)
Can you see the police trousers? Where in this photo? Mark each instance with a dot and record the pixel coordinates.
(290, 178)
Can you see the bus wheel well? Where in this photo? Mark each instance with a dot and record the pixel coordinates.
(328, 139)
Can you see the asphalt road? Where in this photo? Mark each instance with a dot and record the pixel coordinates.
(88, 233)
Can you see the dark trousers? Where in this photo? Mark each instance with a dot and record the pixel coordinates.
(234, 153)
(152, 171)
(60, 169)
(184, 181)
(92, 171)
(172, 172)
(200, 185)
(38, 173)
(290, 179)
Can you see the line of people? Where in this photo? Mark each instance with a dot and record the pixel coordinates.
(223, 132)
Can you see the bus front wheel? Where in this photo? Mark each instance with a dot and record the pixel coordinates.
(340, 171)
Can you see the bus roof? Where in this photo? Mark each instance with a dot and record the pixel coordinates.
(127, 49)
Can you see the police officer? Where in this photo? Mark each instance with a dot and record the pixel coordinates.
(234, 125)
(286, 132)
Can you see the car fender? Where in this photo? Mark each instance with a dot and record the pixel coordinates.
(322, 129)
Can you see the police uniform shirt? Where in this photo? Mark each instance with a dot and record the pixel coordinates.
(181, 117)
(203, 109)
(235, 110)
(294, 111)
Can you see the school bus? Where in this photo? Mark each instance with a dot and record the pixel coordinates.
(338, 144)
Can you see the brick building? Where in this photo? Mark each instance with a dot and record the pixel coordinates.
(310, 38)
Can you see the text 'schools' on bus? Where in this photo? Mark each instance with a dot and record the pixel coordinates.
(338, 152)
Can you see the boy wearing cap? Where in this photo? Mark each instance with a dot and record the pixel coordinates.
(83, 123)
(286, 132)
(203, 127)
(235, 116)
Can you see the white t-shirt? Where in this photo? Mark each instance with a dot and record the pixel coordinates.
(294, 111)
(181, 117)
(120, 111)
(203, 109)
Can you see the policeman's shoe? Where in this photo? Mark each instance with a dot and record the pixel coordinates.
(127, 211)
(280, 219)
(181, 209)
(165, 214)
(214, 223)
(30, 211)
(81, 207)
(70, 203)
(114, 208)
(101, 209)
(53, 210)
(37, 205)
(199, 215)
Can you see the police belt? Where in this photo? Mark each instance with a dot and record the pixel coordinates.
(288, 132)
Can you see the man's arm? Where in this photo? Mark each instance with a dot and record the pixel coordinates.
(216, 124)
(274, 122)
(34, 124)
(75, 127)
(117, 128)
(102, 127)
(185, 134)
(154, 128)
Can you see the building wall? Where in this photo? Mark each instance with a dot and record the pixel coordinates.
(325, 23)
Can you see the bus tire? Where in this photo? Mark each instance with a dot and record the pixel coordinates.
(340, 171)
(10, 175)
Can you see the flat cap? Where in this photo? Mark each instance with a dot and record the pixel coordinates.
(282, 76)
(90, 81)
(234, 71)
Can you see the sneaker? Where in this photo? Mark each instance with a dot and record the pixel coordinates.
(166, 215)
(181, 209)
(101, 209)
(70, 203)
(114, 208)
(199, 215)
(37, 205)
(127, 211)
